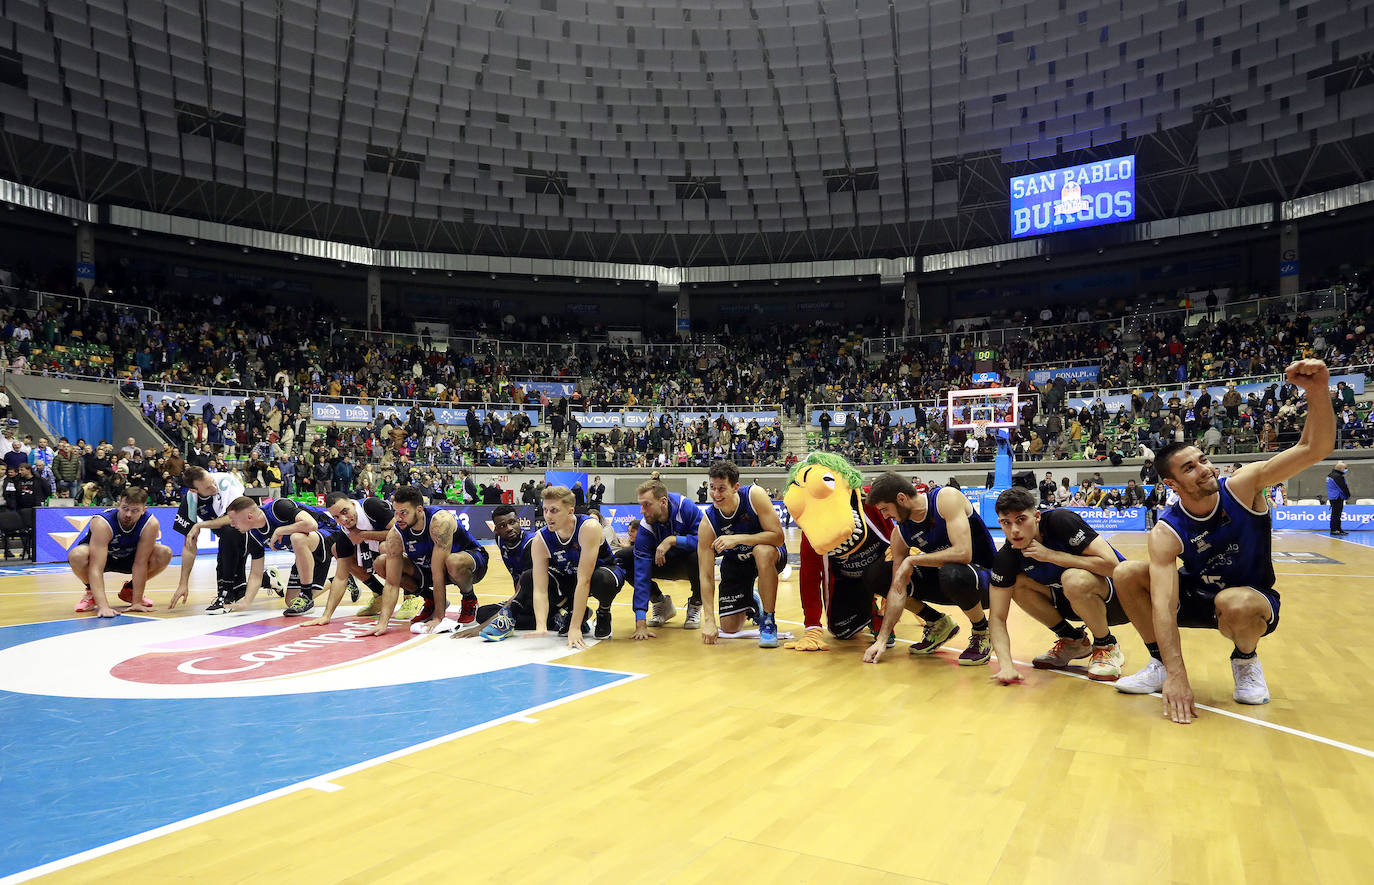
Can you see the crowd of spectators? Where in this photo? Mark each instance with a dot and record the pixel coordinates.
(82, 473)
(303, 350)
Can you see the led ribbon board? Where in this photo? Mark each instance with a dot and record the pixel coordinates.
(1076, 196)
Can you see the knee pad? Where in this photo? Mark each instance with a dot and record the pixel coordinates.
(604, 586)
(959, 582)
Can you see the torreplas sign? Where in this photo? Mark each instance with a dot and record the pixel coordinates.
(1096, 193)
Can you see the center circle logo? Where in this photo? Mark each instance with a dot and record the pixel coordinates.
(275, 647)
(252, 654)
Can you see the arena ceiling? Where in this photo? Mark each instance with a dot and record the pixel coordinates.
(676, 132)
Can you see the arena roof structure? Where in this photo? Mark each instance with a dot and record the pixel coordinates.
(675, 132)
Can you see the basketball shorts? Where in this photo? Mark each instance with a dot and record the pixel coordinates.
(737, 577)
(1197, 605)
(849, 606)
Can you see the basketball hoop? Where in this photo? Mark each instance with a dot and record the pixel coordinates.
(980, 429)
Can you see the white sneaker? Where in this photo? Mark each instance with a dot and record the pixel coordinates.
(661, 612)
(692, 621)
(1250, 685)
(1146, 681)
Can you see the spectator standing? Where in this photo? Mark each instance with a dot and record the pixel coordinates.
(15, 456)
(66, 470)
(1047, 490)
(1337, 493)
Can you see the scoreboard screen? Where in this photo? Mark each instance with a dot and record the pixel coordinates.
(1102, 192)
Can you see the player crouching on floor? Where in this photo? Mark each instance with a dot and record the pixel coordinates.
(1058, 569)
(123, 540)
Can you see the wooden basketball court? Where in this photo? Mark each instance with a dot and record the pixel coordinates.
(732, 763)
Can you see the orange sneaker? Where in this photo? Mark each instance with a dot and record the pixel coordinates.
(1106, 661)
(1063, 653)
(126, 594)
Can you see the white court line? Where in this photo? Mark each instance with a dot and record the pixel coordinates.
(1241, 716)
(313, 783)
(324, 786)
(596, 669)
(1316, 738)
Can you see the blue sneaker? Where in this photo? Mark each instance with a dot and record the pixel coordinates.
(768, 633)
(757, 614)
(501, 627)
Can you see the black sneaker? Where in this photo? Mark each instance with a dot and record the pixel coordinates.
(603, 623)
(564, 620)
(216, 607)
(299, 606)
(353, 590)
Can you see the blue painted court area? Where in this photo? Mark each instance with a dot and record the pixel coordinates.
(1364, 539)
(78, 773)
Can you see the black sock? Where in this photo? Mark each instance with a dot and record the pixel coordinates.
(468, 594)
(979, 626)
(1239, 655)
(1153, 649)
(373, 584)
(1065, 630)
(929, 614)
(1105, 641)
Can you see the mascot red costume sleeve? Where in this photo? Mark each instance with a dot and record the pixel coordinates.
(844, 539)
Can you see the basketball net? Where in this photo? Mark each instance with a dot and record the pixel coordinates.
(980, 429)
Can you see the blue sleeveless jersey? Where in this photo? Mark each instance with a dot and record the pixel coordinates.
(263, 536)
(932, 534)
(744, 521)
(123, 544)
(517, 556)
(419, 548)
(1229, 547)
(328, 527)
(564, 556)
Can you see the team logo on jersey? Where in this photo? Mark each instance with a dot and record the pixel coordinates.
(1078, 537)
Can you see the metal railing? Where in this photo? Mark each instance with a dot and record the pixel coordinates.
(35, 300)
(937, 404)
(1330, 299)
(147, 388)
(499, 347)
(1179, 387)
(584, 408)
